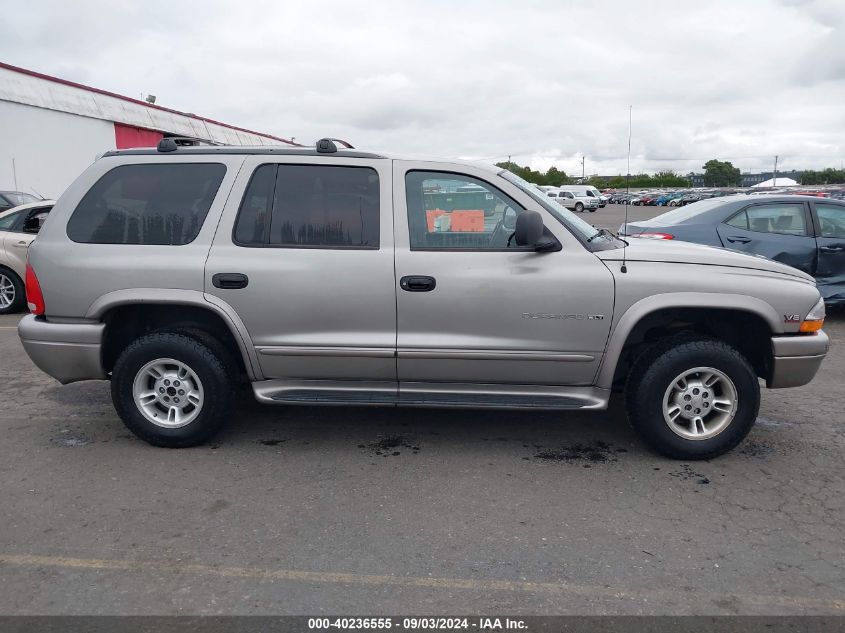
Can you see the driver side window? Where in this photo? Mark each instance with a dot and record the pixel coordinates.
(453, 211)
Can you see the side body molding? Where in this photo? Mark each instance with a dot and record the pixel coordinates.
(626, 323)
(184, 297)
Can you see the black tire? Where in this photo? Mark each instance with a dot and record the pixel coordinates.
(218, 385)
(653, 373)
(592, 210)
(579, 207)
(18, 303)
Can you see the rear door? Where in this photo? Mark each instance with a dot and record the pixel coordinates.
(781, 231)
(16, 242)
(304, 255)
(7, 225)
(830, 235)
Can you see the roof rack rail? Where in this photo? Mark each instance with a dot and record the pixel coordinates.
(171, 143)
(327, 145)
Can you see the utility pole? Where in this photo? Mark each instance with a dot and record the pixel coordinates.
(582, 167)
(775, 174)
(15, 173)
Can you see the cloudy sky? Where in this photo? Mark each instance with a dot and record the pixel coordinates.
(543, 82)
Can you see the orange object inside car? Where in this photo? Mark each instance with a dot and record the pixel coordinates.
(462, 221)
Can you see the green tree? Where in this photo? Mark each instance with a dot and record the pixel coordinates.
(554, 176)
(719, 173)
(829, 176)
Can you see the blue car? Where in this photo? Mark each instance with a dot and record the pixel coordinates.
(805, 232)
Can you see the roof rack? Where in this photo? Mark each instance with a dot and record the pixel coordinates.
(327, 145)
(171, 143)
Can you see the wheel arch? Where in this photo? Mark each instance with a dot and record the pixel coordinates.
(6, 268)
(715, 313)
(184, 308)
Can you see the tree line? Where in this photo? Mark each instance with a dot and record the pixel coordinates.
(556, 177)
(717, 173)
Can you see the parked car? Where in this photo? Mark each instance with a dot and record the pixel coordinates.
(805, 232)
(583, 192)
(9, 199)
(18, 227)
(649, 199)
(664, 199)
(321, 275)
(685, 200)
(575, 201)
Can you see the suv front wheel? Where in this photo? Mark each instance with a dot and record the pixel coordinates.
(693, 398)
(171, 390)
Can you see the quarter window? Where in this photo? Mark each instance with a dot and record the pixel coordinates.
(308, 206)
(831, 219)
(782, 218)
(163, 204)
(450, 211)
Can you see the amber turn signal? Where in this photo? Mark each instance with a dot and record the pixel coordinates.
(811, 326)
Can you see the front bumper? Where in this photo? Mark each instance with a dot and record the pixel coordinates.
(796, 359)
(68, 352)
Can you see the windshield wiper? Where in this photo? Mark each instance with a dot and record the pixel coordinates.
(599, 233)
(607, 233)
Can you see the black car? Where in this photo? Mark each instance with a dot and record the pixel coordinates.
(802, 231)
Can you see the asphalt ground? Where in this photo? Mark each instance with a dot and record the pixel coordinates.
(375, 511)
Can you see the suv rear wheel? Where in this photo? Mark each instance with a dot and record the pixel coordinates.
(172, 390)
(693, 398)
(12, 294)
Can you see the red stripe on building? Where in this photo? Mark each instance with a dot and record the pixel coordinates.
(126, 136)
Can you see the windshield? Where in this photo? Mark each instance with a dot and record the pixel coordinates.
(685, 213)
(17, 197)
(579, 227)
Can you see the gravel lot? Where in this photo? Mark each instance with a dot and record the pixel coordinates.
(354, 511)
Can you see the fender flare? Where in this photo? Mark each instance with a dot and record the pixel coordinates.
(194, 298)
(642, 308)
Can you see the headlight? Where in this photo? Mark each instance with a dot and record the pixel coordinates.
(814, 320)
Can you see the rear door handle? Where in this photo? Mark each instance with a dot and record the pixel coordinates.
(230, 281)
(831, 249)
(741, 240)
(417, 283)
(22, 244)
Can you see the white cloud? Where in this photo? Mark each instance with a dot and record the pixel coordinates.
(544, 82)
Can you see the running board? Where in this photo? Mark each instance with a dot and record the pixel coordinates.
(417, 394)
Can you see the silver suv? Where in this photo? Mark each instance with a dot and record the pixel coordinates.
(326, 276)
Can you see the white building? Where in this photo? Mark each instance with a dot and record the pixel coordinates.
(52, 129)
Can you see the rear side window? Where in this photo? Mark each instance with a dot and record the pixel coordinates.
(831, 219)
(310, 206)
(163, 204)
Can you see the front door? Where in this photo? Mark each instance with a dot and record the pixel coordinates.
(777, 230)
(830, 269)
(472, 308)
(304, 255)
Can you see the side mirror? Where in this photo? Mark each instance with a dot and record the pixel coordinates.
(32, 225)
(528, 229)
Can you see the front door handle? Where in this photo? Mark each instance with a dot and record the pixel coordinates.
(741, 240)
(831, 249)
(230, 281)
(22, 244)
(417, 283)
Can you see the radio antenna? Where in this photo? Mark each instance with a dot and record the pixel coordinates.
(624, 268)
